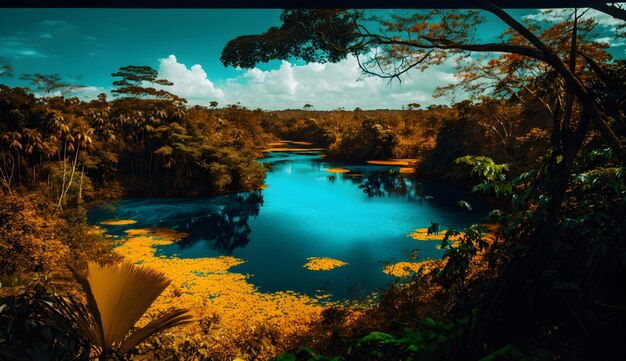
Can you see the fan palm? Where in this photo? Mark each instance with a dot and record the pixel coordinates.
(117, 296)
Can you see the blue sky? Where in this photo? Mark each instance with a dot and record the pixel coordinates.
(185, 46)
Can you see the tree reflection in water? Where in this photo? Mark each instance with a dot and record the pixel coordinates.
(392, 183)
(226, 228)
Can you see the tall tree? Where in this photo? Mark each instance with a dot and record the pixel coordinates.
(48, 85)
(5, 67)
(423, 38)
(139, 81)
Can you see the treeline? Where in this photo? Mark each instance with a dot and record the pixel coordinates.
(508, 131)
(99, 149)
(140, 146)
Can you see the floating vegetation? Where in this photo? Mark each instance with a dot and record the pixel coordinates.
(299, 142)
(406, 269)
(278, 143)
(210, 287)
(338, 170)
(323, 263)
(118, 222)
(396, 162)
(96, 230)
(421, 234)
(288, 149)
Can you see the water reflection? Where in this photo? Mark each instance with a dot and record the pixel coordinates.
(392, 183)
(362, 218)
(226, 229)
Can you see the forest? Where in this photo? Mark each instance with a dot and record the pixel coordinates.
(539, 135)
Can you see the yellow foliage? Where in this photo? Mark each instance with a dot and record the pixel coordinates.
(118, 222)
(27, 239)
(323, 263)
(405, 269)
(206, 286)
(288, 149)
(398, 162)
(421, 234)
(338, 170)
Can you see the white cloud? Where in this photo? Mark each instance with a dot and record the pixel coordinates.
(17, 48)
(57, 25)
(30, 53)
(559, 15)
(326, 86)
(333, 85)
(613, 42)
(189, 83)
(89, 92)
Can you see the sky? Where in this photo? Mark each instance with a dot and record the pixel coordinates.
(184, 45)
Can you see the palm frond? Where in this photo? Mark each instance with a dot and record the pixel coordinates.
(74, 317)
(97, 334)
(123, 292)
(169, 319)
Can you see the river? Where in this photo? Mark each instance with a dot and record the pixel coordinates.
(362, 217)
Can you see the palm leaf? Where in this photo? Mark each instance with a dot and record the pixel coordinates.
(169, 319)
(123, 292)
(76, 318)
(97, 335)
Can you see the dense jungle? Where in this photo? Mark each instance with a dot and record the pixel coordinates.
(141, 225)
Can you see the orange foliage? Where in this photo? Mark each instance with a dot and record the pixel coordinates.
(27, 242)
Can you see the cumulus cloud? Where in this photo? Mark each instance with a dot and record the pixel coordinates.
(189, 83)
(325, 86)
(559, 15)
(613, 42)
(89, 92)
(333, 85)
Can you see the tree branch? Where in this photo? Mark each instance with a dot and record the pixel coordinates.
(614, 11)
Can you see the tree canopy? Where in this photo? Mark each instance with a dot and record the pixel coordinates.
(139, 81)
(559, 66)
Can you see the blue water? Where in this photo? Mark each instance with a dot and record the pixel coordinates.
(307, 212)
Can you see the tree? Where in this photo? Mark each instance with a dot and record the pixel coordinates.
(48, 84)
(419, 39)
(135, 80)
(5, 67)
(430, 38)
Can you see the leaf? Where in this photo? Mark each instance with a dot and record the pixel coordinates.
(379, 337)
(559, 159)
(167, 320)
(285, 357)
(465, 205)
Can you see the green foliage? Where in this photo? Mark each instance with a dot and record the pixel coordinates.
(492, 175)
(459, 253)
(427, 340)
(306, 34)
(508, 352)
(25, 330)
